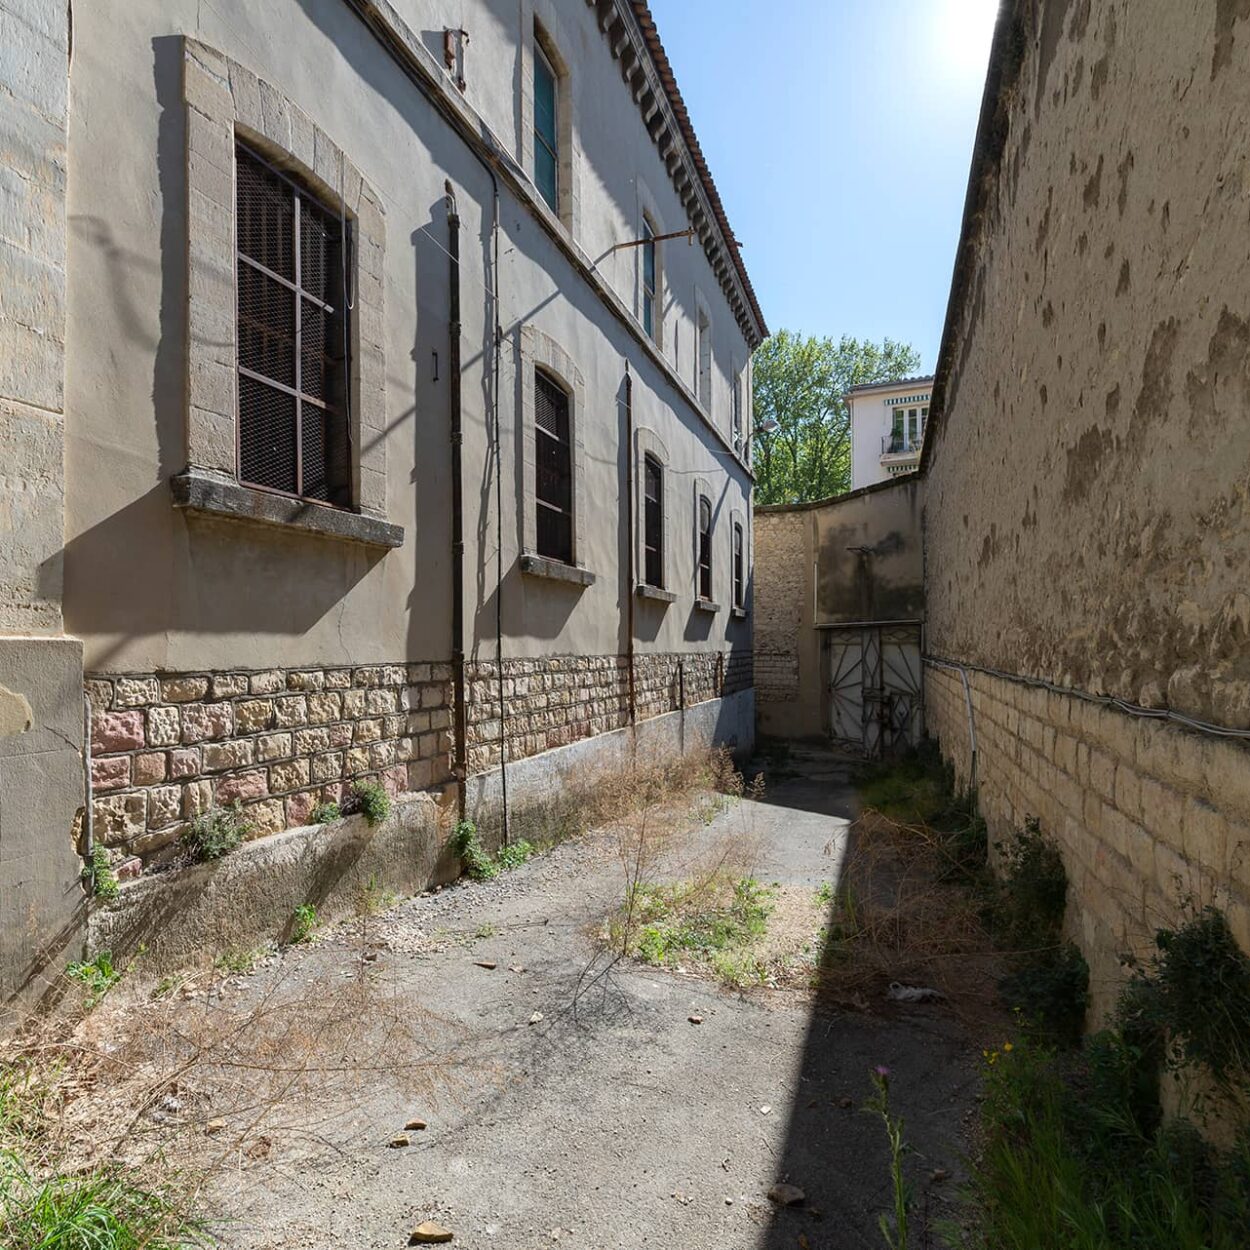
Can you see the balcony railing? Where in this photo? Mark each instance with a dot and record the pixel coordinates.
(899, 445)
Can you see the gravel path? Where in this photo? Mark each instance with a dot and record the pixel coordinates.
(607, 1118)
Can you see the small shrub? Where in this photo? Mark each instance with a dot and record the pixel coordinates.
(98, 975)
(217, 832)
(324, 813)
(473, 857)
(98, 875)
(238, 961)
(374, 899)
(303, 922)
(1032, 893)
(515, 854)
(1050, 989)
(1190, 1003)
(372, 799)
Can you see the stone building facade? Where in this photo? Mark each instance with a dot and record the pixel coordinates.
(338, 363)
(1087, 464)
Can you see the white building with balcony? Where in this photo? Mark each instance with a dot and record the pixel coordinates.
(887, 428)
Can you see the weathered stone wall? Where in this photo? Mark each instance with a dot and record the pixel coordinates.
(1145, 812)
(559, 700)
(1088, 493)
(782, 587)
(167, 746)
(1088, 465)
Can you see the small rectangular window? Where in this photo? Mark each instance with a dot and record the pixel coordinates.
(896, 430)
(553, 459)
(737, 414)
(292, 337)
(648, 279)
(653, 522)
(705, 547)
(704, 361)
(546, 140)
(913, 427)
(739, 570)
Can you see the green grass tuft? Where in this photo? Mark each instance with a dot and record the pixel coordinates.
(98, 975)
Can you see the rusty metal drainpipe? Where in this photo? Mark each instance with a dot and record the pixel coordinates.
(631, 574)
(459, 768)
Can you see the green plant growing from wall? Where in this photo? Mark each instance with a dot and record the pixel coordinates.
(97, 975)
(372, 799)
(98, 875)
(474, 859)
(217, 832)
(303, 923)
(324, 813)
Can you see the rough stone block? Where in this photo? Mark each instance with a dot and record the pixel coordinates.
(110, 772)
(310, 741)
(164, 806)
(228, 685)
(117, 818)
(253, 715)
(219, 757)
(242, 786)
(306, 679)
(116, 731)
(99, 694)
(270, 681)
(197, 797)
(267, 817)
(185, 762)
(149, 768)
(290, 711)
(299, 808)
(379, 702)
(201, 721)
(327, 767)
(325, 707)
(354, 703)
(184, 689)
(273, 747)
(289, 776)
(368, 730)
(340, 735)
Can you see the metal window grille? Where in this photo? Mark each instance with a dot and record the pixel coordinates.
(739, 584)
(653, 522)
(292, 337)
(705, 547)
(553, 459)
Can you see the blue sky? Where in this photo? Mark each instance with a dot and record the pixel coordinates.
(839, 133)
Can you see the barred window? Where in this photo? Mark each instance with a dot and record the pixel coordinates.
(739, 569)
(553, 459)
(292, 335)
(653, 522)
(705, 547)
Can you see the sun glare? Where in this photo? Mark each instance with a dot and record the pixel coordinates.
(962, 37)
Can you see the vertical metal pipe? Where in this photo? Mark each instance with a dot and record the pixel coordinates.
(459, 768)
(631, 577)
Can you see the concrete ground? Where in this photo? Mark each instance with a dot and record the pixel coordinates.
(588, 1110)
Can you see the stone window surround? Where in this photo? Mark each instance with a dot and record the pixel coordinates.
(225, 103)
(543, 17)
(702, 487)
(538, 350)
(648, 443)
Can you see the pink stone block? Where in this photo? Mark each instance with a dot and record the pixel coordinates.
(129, 869)
(299, 808)
(396, 779)
(243, 786)
(116, 731)
(149, 768)
(110, 773)
(207, 720)
(184, 763)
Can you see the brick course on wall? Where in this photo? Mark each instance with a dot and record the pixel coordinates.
(553, 701)
(167, 746)
(1146, 813)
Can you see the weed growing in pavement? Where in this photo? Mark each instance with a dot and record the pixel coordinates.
(238, 961)
(98, 875)
(893, 1231)
(98, 975)
(371, 798)
(714, 921)
(216, 832)
(515, 854)
(374, 899)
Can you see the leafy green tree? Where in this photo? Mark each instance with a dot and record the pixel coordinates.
(801, 383)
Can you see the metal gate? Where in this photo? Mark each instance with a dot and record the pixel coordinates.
(875, 688)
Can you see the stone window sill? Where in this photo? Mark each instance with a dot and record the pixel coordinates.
(216, 496)
(556, 570)
(706, 605)
(656, 593)
(738, 614)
